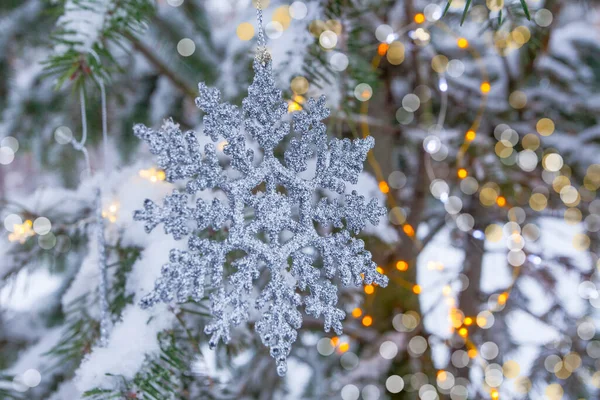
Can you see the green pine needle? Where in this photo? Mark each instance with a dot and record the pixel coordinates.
(525, 9)
(465, 12)
(447, 8)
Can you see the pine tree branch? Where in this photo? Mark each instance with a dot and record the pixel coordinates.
(161, 67)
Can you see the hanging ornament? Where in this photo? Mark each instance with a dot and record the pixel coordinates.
(269, 217)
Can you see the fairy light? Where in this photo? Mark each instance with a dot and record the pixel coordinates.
(419, 18)
(153, 174)
(343, 347)
(295, 104)
(367, 320)
(463, 332)
(21, 232)
(470, 135)
(416, 289)
(402, 265)
(462, 173)
(382, 49)
(462, 43)
(357, 312)
(384, 187)
(111, 212)
(369, 289)
(409, 230)
(485, 87)
(501, 201)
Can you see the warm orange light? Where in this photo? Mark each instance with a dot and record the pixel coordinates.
(416, 289)
(334, 341)
(501, 201)
(383, 186)
(502, 298)
(462, 173)
(419, 18)
(401, 265)
(472, 353)
(367, 320)
(463, 332)
(409, 230)
(369, 289)
(357, 312)
(382, 49)
(380, 270)
(462, 43)
(495, 394)
(470, 135)
(442, 375)
(485, 87)
(344, 347)
(468, 321)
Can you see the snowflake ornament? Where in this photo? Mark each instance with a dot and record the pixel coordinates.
(270, 226)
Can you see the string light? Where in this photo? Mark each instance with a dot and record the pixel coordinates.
(22, 232)
(384, 187)
(402, 265)
(153, 174)
(462, 43)
(111, 212)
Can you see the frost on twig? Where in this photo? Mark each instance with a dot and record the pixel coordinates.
(270, 220)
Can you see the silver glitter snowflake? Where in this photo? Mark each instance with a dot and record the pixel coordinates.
(270, 219)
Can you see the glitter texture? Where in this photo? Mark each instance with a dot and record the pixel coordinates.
(269, 223)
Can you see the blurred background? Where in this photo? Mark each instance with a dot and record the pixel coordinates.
(486, 119)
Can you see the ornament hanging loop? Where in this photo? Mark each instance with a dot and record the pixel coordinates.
(262, 54)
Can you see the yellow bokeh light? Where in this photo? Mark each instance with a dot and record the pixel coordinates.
(416, 289)
(245, 31)
(493, 233)
(344, 347)
(462, 173)
(462, 43)
(369, 289)
(367, 320)
(517, 99)
(395, 53)
(419, 18)
(495, 5)
(402, 266)
(384, 187)
(439, 63)
(282, 15)
(470, 135)
(409, 230)
(530, 141)
(501, 201)
(511, 369)
(357, 312)
(545, 127)
(299, 85)
(485, 87)
(538, 201)
(488, 196)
